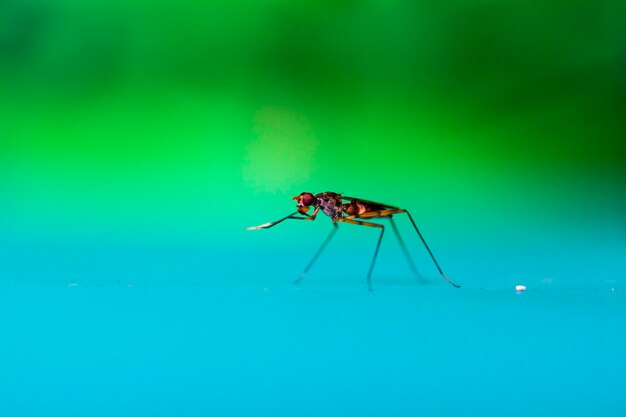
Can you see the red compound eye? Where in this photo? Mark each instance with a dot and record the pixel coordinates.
(306, 199)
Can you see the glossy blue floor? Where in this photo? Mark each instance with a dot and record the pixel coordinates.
(122, 349)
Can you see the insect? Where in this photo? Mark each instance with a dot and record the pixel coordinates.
(350, 210)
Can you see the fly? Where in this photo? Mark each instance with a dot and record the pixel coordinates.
(350, 210)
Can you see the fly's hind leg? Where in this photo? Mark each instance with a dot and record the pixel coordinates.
(407, 255)
(387, 213)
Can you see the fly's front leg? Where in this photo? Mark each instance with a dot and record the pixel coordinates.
(318, 253)
(291, 216)
(380, 238)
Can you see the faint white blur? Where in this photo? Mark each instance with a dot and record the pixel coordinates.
(282, 154)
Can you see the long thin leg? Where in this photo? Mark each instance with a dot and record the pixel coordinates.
(291, 216)
(386, 213)
(407, 255)
(429, 251)
(318, 253)
(380, 239)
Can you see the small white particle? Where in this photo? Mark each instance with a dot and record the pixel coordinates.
(520, 288)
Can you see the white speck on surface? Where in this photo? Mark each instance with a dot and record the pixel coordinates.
(520, 287)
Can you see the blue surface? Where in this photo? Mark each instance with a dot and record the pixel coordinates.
(104, 348)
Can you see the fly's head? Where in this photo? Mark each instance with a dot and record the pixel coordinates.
(304, 202)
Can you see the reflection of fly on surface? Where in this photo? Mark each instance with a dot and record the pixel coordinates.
(333, 205)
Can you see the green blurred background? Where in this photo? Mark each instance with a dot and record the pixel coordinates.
(138, 139)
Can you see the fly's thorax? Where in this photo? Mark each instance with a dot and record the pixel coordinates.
(330, 204)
